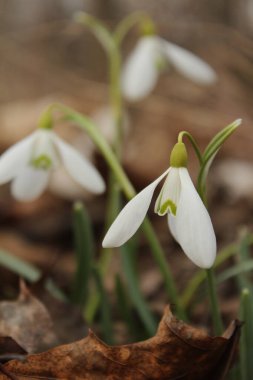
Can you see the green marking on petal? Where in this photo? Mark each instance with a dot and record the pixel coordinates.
(169, 205)
(161, 64)
(42, 162)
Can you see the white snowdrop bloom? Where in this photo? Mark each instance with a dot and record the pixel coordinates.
(188, 219)
(30, 163)
(141, 70)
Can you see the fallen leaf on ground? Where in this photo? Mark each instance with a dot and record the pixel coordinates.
(177, 351)
(9, 349)
(27, 321)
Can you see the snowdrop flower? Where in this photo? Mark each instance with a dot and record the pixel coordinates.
(141, 70)
(188, 219)
(30, 163)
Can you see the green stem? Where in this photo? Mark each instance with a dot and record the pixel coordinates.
(134, 291)
(115, 97)
(200, 276)
(218, 325)
(193, 142)
(97, 27)
(164, 267)
(113, 197)
(84, 249)
(246, 350)
(106, 320)
(158, 253)
(127, 23)
(211, 283)
(87, 125)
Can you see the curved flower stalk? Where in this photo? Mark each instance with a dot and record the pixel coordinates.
(142, 68)
(30, 163)
(188, 219)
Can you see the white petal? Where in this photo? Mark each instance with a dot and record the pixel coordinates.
(192, 226)
(44, 146)
(139, 75)
(62, 185)
(131, 217)
(15, 158)
(29, 183)
(170, 192)
(80, 169)
(172, 225)
(188, 64)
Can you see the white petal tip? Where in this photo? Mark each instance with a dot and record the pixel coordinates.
(237, 122)
(100, 187)
(105, 244)
(207, 263)
(108, 243)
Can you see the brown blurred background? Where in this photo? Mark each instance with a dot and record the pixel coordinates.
(46, 57)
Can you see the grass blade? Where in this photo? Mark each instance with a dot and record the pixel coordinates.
(125, 308)
(127, 255)
(246, 346)
(84, 249)
(106, 320)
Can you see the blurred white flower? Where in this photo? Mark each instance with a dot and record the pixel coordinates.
(30, 163)
(104, 119)
(141, 70)
(188, 219)
(61, 184)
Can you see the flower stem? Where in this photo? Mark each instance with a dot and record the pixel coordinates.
(217, 321)
(113, 194)
(129, 22)
(164, 267)
(193, 142)
(211, 283)
(128, 189)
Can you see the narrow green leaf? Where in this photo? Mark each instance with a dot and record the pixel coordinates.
(127, 255)
(125, 308)
(106, 320)
(26, 270)
(84, 249)
(55, 291)
(210, 153)
(245, 262)
(29, 272)
(236, 270)
(199, 277)
(246, 346)
(220, 138)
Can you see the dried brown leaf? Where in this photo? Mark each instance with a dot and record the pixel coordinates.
(9, 349)
(27, 321)
(177, 351)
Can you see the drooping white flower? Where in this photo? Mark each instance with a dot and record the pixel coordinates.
(141, 70)
(188, 219)
(30, 163)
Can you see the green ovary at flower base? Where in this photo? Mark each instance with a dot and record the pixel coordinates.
(30, 163)
(188, 219)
